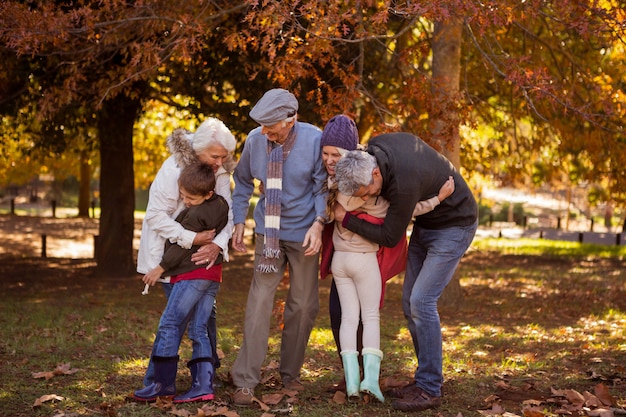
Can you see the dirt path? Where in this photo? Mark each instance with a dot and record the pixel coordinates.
(69, 237)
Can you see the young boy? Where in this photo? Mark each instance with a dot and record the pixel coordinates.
(192, 296)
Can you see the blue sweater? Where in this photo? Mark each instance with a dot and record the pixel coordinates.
(303, 176)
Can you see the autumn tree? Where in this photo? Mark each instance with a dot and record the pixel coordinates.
(103, 55)
(57, 148)
(531, 71)
(429, 67)
(434, 67)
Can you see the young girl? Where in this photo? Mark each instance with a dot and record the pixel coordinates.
(355, 265)
(192, 296)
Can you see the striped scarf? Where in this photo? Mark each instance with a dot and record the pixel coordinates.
(273, 192)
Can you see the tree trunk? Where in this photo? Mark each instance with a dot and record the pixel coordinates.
(443, 112)
(84, 186)
(444, 117)
(117, 191)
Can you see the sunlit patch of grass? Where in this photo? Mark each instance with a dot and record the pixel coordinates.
(321, 337)
(534, 348)
(525, 246)
(228, 341)
(131, 366)
(615, 316)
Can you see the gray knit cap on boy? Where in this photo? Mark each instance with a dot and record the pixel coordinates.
(340, 131)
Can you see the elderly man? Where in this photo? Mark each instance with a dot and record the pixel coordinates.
(284, 155)
(403, 169)
(213, 144)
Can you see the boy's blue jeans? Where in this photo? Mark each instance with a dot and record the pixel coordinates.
(432, 260)
(189, 302)
(211, 324)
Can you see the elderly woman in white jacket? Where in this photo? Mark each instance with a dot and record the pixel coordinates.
(213, 144)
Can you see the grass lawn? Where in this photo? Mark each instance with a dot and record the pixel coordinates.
(541, 332)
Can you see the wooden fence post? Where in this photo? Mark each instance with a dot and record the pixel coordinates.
(96, 246)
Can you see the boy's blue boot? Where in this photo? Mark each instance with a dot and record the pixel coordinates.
(352, 372)
(164, 384)
(202, 371)
(371, 373)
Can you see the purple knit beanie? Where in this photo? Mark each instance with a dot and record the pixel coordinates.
(340, 131)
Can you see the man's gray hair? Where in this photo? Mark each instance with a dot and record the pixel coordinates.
(354, 170)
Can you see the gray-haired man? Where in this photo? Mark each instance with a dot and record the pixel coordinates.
(404, 170)
(285, 156)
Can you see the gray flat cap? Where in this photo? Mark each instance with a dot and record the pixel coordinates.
(275, 105)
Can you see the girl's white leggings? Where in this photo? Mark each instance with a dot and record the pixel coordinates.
(357, 277)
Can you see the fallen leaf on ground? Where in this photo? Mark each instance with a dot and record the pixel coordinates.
(496, 409)
(212, 410)
(591, 400)
(261, 404)
(65, 369)
(574, 397)
(600, 412)
(273, 399)
(391, 382)
(339, 397)
(290, 392)
(506, 386)
(61, 413)
(492, 399)
(45, 398)
(275, 411)
(273, 365)
(602, 392)
(61, 369)
(46, 375)
(533, 412)
(164, 403)
(181, 413)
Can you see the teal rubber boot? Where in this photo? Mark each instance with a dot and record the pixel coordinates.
(371, 373)
(352, 372)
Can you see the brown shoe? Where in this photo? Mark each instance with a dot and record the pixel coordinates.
(338, 386)
(418, 400)
(294, 385)
(243, 397)
(401, 392)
